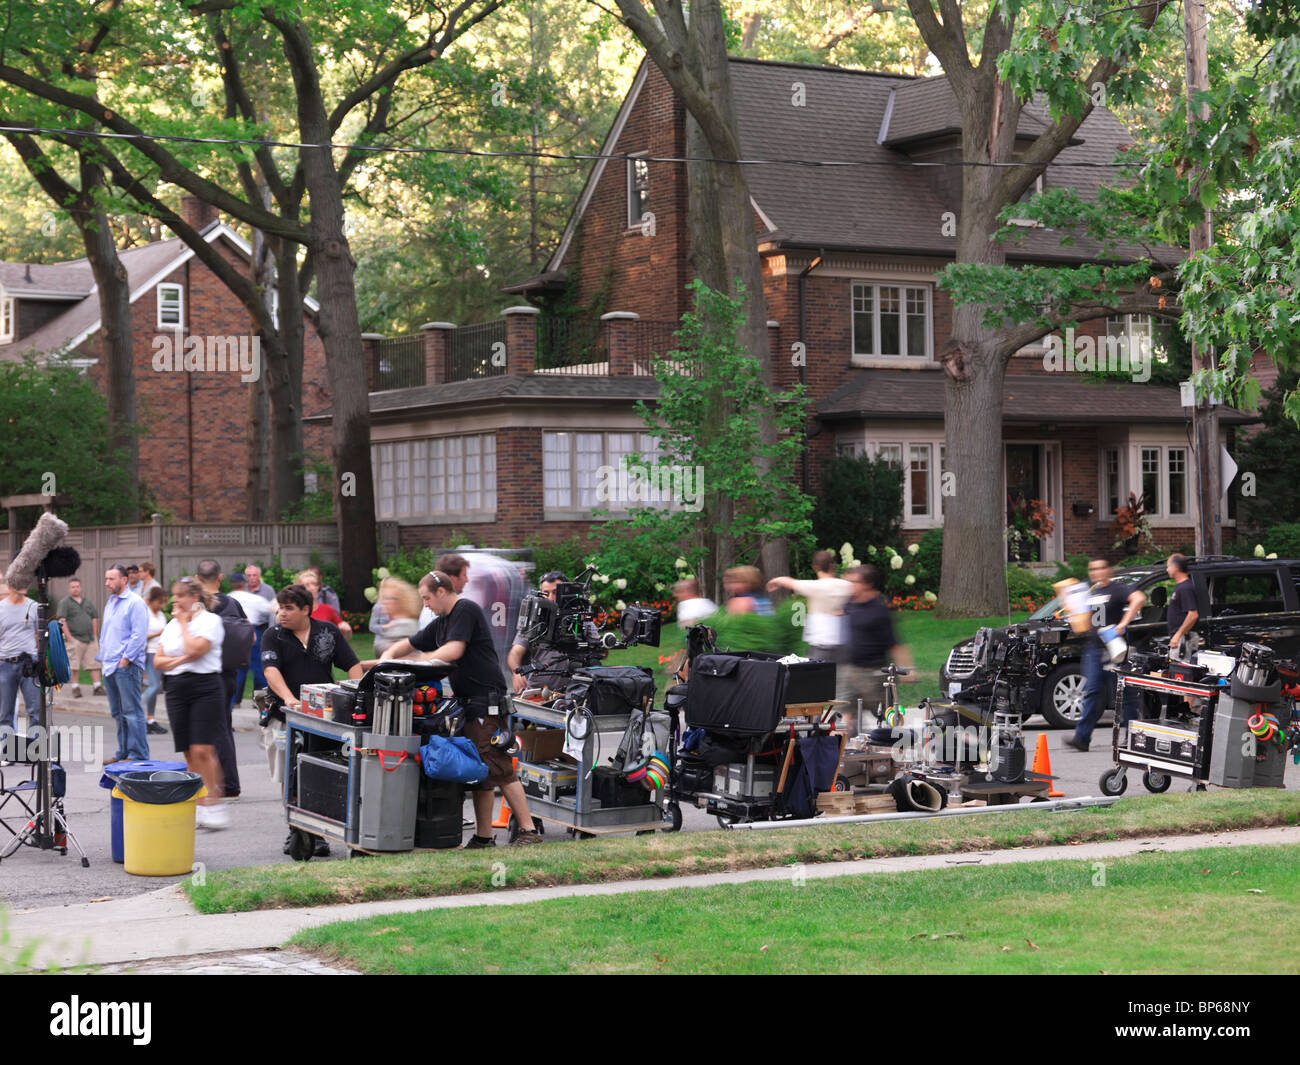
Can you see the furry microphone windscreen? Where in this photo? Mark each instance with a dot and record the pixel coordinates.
(43, 539)
(60, 562)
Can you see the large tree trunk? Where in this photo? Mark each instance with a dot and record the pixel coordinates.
(339, 328)
(723, 244)
(115, 326)
(287, 448)
(974, 580)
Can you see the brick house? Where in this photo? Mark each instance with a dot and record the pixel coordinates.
(506, 448)
(196, 444)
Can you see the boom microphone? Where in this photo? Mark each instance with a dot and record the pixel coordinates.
(43, 539)
(61, 562)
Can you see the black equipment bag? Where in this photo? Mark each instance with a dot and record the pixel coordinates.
(812, 771)
(743, 693)
(614, 689)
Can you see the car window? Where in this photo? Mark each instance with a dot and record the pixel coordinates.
(1158, 590)
(1245, 593)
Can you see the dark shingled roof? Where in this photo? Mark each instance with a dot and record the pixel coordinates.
(889, 208)
(1029, 397)
(926, 108)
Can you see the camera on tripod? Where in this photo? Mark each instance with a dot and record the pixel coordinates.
(563, 624)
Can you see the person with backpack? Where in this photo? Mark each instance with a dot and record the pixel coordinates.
(189, 657)
(236, 653)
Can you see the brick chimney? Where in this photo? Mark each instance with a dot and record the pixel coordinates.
(198, 213)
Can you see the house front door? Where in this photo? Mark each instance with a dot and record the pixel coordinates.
(1032, 473)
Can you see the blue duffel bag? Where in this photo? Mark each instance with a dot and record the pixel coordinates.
(452, 758)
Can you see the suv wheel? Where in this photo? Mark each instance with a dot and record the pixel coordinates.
(1062, 703)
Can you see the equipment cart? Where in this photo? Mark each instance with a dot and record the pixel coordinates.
(562, 794)
(348, 785)
(1166, 747)
(756, 789)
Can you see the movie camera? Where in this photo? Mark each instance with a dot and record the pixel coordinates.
(564, 624)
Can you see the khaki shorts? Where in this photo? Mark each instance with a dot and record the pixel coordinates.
(82, 656)
(501, 766)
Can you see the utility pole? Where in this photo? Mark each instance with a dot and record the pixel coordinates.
(1205, 415)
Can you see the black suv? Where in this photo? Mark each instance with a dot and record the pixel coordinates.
(1237, 600)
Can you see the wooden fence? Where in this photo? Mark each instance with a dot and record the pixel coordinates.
(178, 549)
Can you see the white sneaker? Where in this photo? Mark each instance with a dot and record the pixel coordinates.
(215, 816)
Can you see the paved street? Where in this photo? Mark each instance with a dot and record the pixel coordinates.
(31, 879)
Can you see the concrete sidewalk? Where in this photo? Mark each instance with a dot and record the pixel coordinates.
(162, 924)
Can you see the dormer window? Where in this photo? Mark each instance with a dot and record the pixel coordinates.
(638, 189)
(171, 306)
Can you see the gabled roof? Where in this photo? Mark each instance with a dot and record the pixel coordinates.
(881, 203)
(145, 267)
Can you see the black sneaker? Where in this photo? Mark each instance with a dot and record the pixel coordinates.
(157, 729)
(1070, 741)
(475, 842)
(525, 838)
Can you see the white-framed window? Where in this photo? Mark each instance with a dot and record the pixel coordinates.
(431, 478)
(851, 448)
(1137, 329)
(6, 320)
(920, 482)
(574, 463)
(1113, 495)
(171, 306)
(638, 189)
(922, 477)
(891, 321)
(1163, 475)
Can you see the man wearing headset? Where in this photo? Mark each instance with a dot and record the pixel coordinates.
(553, 666)
(459, 635)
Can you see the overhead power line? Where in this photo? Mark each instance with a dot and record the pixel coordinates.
(522, 154)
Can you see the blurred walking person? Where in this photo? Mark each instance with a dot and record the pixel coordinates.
(870, 645)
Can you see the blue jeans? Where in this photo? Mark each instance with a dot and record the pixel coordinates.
(123, 688)
(153, 687)
(255, 665)
(1098, 690)
(12, 682)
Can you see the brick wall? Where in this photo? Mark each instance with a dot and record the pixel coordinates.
(645, 274)
(194, 446)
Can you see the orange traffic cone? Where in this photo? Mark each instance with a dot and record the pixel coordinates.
(1043, 764)
(503, 816)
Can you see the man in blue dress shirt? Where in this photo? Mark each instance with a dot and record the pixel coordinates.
(122, 638)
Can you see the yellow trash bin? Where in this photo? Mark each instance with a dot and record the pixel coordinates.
(158, 840)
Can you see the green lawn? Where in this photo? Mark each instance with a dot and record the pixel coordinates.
(1213, 910)
(566, 861)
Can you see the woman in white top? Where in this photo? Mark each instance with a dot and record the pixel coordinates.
(155, 597)
(189, 657)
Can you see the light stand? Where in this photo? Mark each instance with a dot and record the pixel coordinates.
(48, 824)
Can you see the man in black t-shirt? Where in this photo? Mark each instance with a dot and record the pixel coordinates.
(459, 635)
(301, 650)
(869, 644)
(1112, 605)
(1181, 615)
